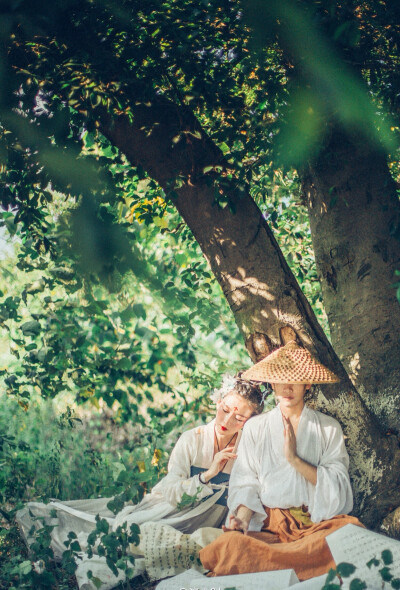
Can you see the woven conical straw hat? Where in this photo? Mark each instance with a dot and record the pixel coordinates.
(290, 364)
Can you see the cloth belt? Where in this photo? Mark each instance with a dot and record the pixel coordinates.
(221, 480)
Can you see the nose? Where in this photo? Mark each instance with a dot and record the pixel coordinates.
(228, 417)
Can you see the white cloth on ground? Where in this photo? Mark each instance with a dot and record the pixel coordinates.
(194, 448)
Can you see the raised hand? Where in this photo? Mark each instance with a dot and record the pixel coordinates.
(290, 448)
(218, 463)
(303, 467)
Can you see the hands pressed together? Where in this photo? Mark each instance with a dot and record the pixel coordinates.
(241, 520)
(290, 440)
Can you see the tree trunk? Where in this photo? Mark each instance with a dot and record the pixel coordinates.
(354, 215)
(257, 282)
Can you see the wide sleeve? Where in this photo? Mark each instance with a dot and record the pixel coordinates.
(333, 494)
(244, 483)
(178, 480)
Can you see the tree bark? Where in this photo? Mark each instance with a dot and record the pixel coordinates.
(355, 223)
(256, 280)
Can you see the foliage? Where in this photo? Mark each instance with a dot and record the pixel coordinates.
(113, 545)
(188, 500)
(44, 455)
(152, 332)
(119, 327)
(345, 570)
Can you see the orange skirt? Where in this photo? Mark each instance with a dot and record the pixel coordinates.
(284, 543)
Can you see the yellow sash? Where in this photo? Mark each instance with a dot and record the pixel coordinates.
(301, 514)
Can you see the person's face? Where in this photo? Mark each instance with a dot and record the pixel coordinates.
(290, 395)
(232, 413)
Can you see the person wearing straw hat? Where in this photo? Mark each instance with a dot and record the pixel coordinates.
(290, 485)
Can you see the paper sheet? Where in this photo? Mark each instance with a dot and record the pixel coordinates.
(180, 581)
(353, 544)
(279, 580)
(312, 584)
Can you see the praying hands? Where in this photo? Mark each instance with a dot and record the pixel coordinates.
(290, 449)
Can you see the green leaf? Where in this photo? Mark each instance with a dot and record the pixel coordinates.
(96, 581)
(111, 565)
(124, 364)
(345, 570)
(117, 467)
(31, 328)
(387, 557)
(135, 529)
(357, 584)
(139, 310)
(187, 500)
(331, 576)
(102, 525)
(385, 574)
(25, 568)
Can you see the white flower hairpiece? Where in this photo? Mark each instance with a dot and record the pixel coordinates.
(228, 383)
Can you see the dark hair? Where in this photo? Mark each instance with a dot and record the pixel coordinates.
(251, 392)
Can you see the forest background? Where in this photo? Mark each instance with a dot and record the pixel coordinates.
(184, 187)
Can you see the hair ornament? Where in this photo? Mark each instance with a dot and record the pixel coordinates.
(228, 383)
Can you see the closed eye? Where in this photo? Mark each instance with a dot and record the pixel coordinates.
(238, 418)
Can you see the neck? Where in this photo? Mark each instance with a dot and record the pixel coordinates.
(224, 439)
(293, 412)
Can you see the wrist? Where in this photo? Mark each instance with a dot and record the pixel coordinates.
(244, 513)
(204, 477)
(294, 461)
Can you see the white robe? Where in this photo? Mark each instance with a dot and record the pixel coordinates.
(194, 448)
(262, 475)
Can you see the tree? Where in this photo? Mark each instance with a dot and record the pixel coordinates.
(206, 99)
